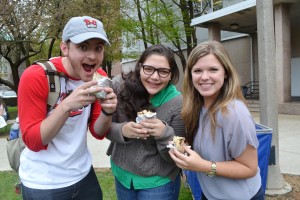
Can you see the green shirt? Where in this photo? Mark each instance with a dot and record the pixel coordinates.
(138, 182)
(164, 95)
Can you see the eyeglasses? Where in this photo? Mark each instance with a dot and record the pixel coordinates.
(162, 72)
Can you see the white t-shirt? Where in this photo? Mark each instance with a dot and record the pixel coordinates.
(67, 159)
(4, 111)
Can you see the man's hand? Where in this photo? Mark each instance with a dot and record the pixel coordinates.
(81, 96)
(109, 104)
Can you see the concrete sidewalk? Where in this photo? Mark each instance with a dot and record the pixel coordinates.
(289, 151)
(97, 148)
(289, 141)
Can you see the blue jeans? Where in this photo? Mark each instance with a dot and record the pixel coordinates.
(260, 195)
(169, 191)
(86, 189)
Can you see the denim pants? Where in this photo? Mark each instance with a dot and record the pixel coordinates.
(86, 189)
(169, 191)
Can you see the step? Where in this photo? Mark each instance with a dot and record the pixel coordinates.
(253, 105)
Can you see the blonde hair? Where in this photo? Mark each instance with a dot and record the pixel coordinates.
(193, 100)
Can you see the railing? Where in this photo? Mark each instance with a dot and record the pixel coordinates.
(207, 6)
(251, 90)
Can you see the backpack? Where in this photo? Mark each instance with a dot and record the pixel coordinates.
(54, 83)
(16, 146)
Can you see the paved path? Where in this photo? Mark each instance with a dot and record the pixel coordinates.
(97, 148)
(289, 142)
(289, 151)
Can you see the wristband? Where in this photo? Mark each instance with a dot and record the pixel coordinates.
(107, 114)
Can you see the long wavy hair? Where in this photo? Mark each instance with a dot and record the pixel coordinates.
(193, 101)
(134, 94)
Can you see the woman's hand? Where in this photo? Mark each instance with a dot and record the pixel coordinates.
(134, 130)
(191, 160)
(244, 166)
(154, 127)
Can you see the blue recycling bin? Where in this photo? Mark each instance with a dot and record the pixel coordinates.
(264, 136)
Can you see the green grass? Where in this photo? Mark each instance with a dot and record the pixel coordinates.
(13, 111)
(8, 179)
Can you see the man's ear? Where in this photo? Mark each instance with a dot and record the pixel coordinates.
(64, 48)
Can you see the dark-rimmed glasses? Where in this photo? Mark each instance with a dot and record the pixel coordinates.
(162, 72)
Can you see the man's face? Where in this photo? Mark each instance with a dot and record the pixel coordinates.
(84, 58)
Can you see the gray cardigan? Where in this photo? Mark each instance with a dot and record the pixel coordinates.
(146, 157)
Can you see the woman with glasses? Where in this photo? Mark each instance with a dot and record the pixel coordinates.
(140, 161)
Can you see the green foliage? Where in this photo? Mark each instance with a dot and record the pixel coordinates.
(105, 178)
(13, 111)
(30, 30)
(146, 23)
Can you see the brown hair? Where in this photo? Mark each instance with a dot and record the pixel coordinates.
(134, 94)
(193, 100)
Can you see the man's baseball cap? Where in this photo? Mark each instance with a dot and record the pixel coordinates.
(80, 29)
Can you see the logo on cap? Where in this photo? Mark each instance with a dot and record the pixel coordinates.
(90, 23)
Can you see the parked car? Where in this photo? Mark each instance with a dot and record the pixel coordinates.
(9, 97)
(9, 94)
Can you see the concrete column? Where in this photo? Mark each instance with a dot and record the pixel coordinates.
(255, 75)
(283, 51)
(214, 32)
(268, 90)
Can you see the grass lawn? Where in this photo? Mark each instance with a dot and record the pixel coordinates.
(8, 179)
(13, 111)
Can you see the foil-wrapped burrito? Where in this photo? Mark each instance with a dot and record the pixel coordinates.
(177, 143)
(103, 81)
(145, 114)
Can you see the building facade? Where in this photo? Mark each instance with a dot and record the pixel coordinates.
(240, 16)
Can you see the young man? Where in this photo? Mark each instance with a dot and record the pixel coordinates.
(56, 164)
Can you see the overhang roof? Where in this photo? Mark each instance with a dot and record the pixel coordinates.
(243, 15)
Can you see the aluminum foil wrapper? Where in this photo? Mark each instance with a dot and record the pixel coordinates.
(145, 114)
(178, 143)
(103, 81)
